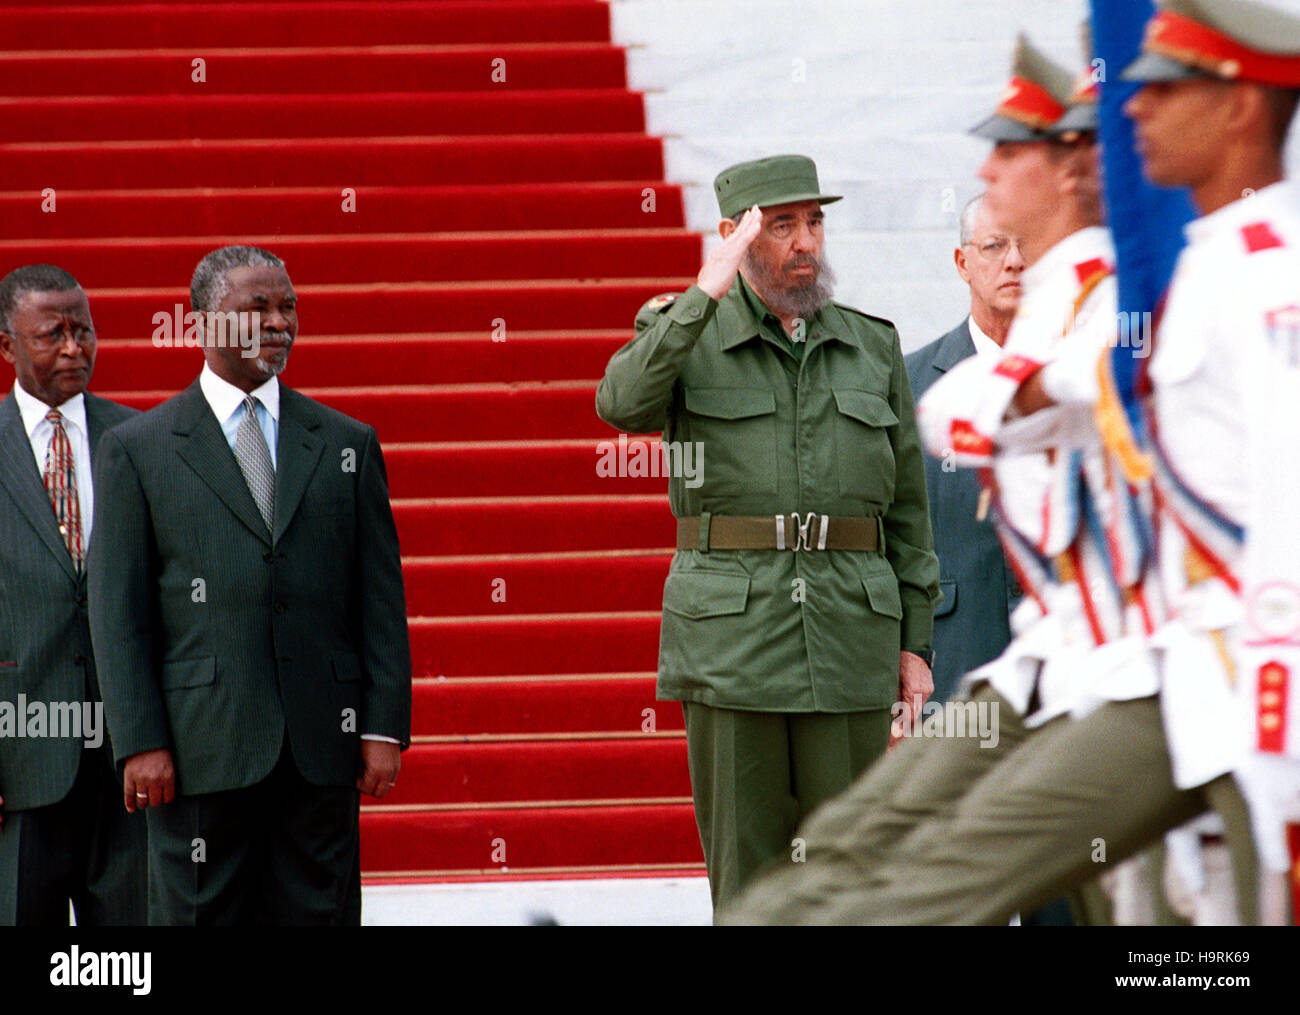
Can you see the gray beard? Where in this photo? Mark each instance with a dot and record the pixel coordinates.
(791, 300)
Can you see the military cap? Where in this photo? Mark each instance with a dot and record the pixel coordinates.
(1081, 116)
(1033, 101)
(1229, 39)
(779, 179)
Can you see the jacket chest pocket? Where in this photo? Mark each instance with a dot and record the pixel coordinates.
(864, 455)
(736, 433)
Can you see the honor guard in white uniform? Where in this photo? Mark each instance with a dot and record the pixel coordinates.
(1131, 766)
(1044, 518)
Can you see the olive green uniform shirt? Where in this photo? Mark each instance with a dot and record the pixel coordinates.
(832, 431)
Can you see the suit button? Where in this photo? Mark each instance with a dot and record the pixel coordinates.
(268, 556)
(79, 659)
(81, 600)
(280, 608)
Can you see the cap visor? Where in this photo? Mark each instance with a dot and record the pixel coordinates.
(999, 128)
(796, 198)
(1082, 117)
(1156, 67)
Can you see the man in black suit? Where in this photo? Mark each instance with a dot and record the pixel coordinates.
(972, 622)
(62, 834)
(249, 622)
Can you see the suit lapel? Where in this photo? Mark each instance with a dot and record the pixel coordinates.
(297, 453)
(27, 488)
(95, 425)
(955, 347)
(204, 449)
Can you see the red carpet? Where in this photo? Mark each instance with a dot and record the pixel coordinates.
(499, 238)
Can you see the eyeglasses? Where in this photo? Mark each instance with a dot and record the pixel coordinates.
(48, 341)
(995, 247)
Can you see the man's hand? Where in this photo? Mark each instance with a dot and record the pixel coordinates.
(915, 685)
(720, 267)
(148, 780)
(1031, 396)
(380, 762)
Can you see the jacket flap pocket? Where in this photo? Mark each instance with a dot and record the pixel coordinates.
(865, 406)
(699, 594)
(346, 667)
(730, 403)
(882, 592)
(189, 673)
(949, 600)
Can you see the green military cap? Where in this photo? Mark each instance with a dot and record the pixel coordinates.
(779, 179)
(1033, 101)
(1229, 39)
(1081, 116)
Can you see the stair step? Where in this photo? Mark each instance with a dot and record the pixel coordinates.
(339, 161)
(218, 211)
(370, 258)
(535, 524)
(540, 644)
(535, 583)
(488, 706)
(63, 118)
(519, 468)
(501, 840)
(486, 773)
(343, 360)
(219, 25)
(319, 69)
(525, 305)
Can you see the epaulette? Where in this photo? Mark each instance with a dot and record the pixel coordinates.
(659, 304)
(1085, 270)
(862, 313)
(1260, 236)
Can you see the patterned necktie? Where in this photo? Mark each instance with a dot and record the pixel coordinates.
(61, 485)
(254, 459)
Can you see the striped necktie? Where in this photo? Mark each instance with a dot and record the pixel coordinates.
(254, 459)
(61, 485)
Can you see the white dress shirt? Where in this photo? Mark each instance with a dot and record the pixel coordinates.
(227, 403)
(984, 346)
(40, 432)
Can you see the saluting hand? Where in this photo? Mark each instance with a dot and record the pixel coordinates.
(720, 267)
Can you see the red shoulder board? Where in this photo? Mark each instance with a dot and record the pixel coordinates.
(1260, 236)
(1017, 368)
(1271, 695)
(966, 439)
(1087, 269)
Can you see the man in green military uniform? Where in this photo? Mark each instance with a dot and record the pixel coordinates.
(799, 604)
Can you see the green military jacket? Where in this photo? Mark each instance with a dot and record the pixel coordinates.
(832, 431)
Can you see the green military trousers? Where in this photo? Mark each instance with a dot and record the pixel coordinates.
(925, 777)
(756, 775)
(1077, 795)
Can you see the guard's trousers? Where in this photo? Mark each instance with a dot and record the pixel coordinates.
(1077, 795)
(756, 775)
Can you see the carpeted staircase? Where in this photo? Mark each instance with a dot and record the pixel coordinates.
(468, 252)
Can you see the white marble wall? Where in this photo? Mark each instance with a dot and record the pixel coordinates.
(879, 92)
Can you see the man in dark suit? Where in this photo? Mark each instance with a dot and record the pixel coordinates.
(62, 834)
(249, 622)
(972, 622)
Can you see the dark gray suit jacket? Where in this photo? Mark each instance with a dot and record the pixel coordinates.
(214, 638)
(971, 624)
(44, 626)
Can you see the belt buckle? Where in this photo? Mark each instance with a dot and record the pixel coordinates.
(803, 537)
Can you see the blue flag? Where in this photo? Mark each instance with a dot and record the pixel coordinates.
(1146, 221)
